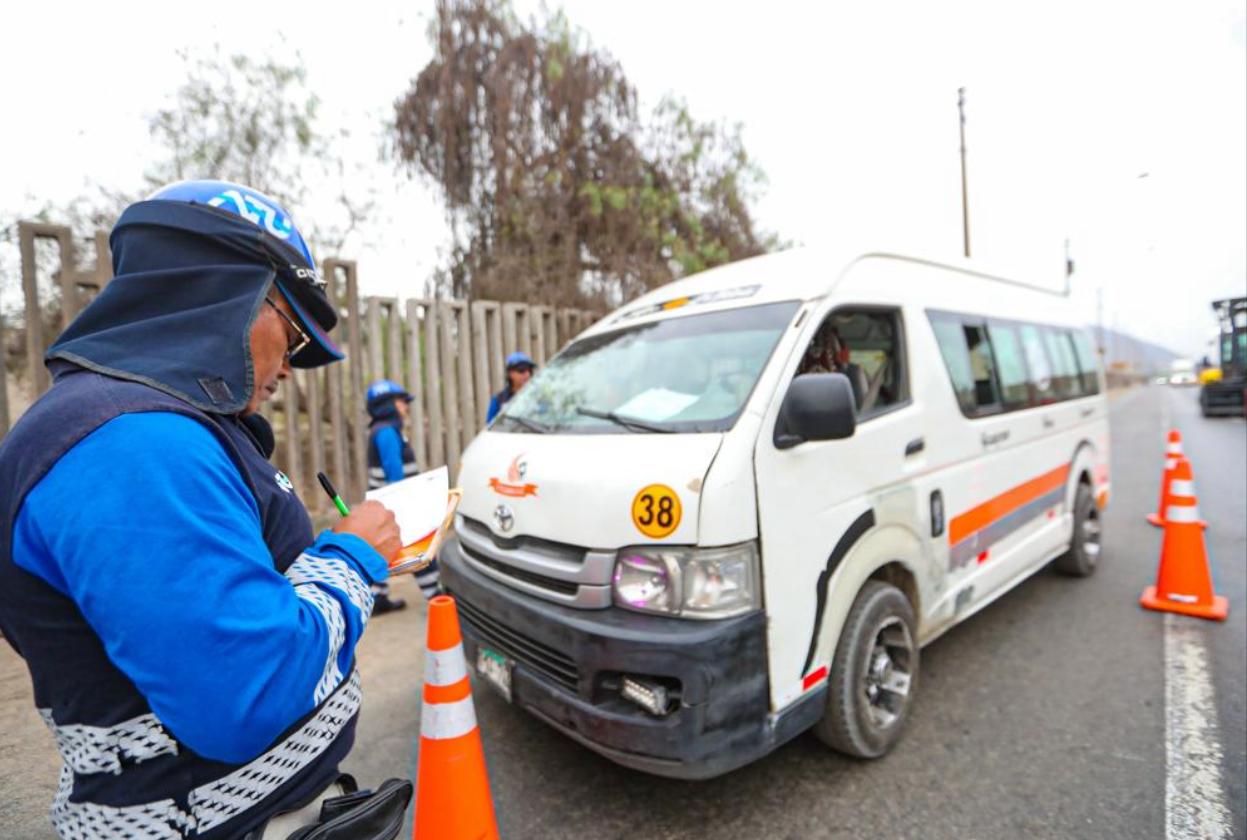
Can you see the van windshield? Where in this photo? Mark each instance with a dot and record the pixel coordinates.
(689, 374)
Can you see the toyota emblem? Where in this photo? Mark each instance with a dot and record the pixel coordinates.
(504, 519)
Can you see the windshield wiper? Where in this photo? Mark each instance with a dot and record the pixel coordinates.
(629, 423)
(531, 425)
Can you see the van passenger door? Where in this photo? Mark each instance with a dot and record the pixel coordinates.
(810, 495)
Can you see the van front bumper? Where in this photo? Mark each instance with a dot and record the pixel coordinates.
(568, 664)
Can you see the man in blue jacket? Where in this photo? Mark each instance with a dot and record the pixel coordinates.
(190, 641)
(520, 367)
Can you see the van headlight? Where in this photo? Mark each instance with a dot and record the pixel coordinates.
(688, 582)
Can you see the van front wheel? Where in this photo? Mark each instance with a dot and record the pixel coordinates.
(874, 674)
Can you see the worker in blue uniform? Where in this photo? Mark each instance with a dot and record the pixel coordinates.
(519, 369)
(190, 640)
(390, 459)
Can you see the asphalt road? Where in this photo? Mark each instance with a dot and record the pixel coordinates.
(1042, 716)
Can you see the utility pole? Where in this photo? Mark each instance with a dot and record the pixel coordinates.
(1099, 323)
(965, 201)
(1069, 267)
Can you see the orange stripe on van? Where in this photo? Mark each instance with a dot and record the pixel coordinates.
(978, 518)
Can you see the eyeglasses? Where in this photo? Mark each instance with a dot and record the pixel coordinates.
(301, 339)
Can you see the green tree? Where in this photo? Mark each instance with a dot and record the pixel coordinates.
(555, 187)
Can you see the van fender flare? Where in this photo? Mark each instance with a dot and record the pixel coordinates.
(851, 563)
(1082, 461)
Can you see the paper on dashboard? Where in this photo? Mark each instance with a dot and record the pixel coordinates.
(656, 404)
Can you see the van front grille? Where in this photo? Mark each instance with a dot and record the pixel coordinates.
(539, 657)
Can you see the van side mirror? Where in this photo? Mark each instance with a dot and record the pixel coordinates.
(818, 406)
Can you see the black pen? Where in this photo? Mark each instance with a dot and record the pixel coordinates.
(333, 494)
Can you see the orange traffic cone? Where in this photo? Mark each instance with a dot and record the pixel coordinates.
(452, 787)
(1184, 581)
(1173, 451)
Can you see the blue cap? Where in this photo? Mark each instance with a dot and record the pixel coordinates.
(298, 279)
(520, 359)
(384, 389)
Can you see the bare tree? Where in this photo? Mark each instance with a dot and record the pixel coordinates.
(555, 188)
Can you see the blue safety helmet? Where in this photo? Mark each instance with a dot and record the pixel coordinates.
(385, 390)
(297, 277)
(520, 359)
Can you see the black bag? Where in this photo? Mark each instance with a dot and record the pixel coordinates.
(361, 815)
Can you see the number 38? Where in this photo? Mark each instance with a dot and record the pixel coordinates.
(656, 511)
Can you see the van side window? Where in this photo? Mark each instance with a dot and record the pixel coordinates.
(982, 368)
(1010, 365)
(1066, 342)
(1086, 362)
(1065, 381)
(952, 341)
(866, 346)
(968, 358)
(1037, 361)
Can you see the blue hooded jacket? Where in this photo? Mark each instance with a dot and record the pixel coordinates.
(190, 642)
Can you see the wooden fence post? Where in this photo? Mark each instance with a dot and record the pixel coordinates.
(433, 372)
(450, 386)
(463, 352)
(374, 352)
(315, 440)
(415, 377)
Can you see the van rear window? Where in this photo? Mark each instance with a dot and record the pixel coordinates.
(1086, 362)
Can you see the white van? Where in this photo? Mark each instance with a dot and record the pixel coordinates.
(736, 508)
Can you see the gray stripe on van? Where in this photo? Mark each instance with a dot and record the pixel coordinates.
(965, 552)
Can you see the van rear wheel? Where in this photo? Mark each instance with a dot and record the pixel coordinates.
(874, 674)
(1084, 549)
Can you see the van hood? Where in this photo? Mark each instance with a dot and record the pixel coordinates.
(580, 489)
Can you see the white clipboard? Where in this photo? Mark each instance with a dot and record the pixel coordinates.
(418, 562)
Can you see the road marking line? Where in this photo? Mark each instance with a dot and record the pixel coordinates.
(1194, 792)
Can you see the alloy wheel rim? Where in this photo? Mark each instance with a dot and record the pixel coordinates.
(1091, 536)
(888, 674)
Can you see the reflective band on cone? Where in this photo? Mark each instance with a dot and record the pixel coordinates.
(1182, 513)
(440, 721)
(444, 667)
(1182, 488)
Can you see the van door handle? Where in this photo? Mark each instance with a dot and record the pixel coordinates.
(995, 437)
(1087, 412)
(1048, 422)
(915, 446)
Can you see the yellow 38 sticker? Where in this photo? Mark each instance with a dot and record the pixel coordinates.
(656, 511)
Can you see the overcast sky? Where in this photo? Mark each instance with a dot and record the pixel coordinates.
(1122, 126)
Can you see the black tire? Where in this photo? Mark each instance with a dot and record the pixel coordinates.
(851, 724)
(1084, 550)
